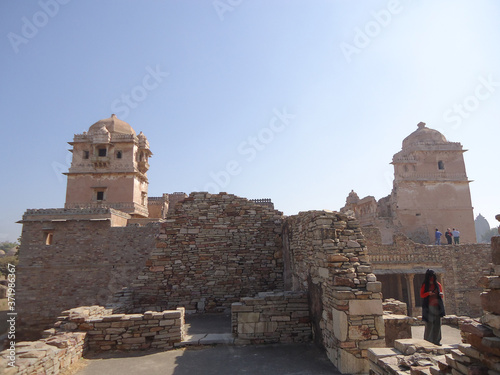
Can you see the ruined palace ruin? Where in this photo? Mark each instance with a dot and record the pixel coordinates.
(129, 257)
(430, 190)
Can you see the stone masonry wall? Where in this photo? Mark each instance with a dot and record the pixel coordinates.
(48, 356)
(92, 328)
(151, 330)
(271, 318)
(462, 264)
(211, 251)
(87, 262)
(329, 260)
(481, 348)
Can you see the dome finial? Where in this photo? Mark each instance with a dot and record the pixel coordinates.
(421, 125)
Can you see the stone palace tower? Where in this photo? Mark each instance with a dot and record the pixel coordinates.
(431, 188)
(109, 168)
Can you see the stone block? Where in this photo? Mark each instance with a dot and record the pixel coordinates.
(404, 344)
(168, 322)
(470, 351)
(476, 328)
(250, 317)
(490, 301)
(491, 320)
(367, 344)
(246, 328)
(491, 342)
(489, 282)
(361, 332)
(350, 364)
(114, 331)
(374, 286)
(134, 340)
(113, 318)
(323, 272)
(343, 294)
(375, 353)
(239, 307)
(365, 307)
(396, 327)
(352, 244)
(495, 249)
(337, 258)
(280, 318)
(340, 326)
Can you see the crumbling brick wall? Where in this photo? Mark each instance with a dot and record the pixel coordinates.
(212, 250)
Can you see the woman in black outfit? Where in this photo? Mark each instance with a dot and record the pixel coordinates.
(432, 307)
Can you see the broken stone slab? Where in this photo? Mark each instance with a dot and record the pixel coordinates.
(376, 353)
(405, 345)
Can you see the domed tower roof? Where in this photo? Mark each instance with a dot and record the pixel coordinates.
(113, 125)
(352, 198)
(423, 135)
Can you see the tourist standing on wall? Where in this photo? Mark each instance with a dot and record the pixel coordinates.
(432, 307)
(449, 236)
(438, 235)
(456, 236)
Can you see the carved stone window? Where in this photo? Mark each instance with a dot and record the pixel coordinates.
(99, 194)
(101, 152)
(440, 165)
(119, 154)
(86, 154)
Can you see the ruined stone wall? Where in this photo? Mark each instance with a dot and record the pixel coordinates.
(461, 267)
(211, 251)
(49, 356)
(272, 317)
(329, 260)
(87, 262)
(151, 330)
(481, 348)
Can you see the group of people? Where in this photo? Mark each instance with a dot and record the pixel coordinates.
(451, 235)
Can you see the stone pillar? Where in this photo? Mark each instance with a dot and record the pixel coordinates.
(411, 293)
(399, 287)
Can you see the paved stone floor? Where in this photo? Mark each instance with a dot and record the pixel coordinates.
(296, 359)
(279, 359)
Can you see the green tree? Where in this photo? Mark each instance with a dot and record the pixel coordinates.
(5, 261)
(7, 246)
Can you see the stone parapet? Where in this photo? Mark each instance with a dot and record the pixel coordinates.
(73, 213)
(280, 317)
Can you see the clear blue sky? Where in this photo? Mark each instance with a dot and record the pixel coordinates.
(207, 82)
